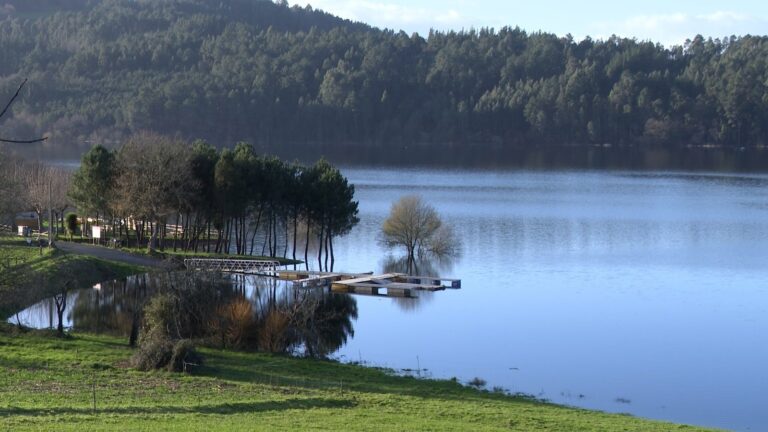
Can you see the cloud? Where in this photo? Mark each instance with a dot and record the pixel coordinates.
(724, 17)
(395, 16)
(675, 28)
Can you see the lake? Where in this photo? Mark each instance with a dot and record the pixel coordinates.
(631, 292)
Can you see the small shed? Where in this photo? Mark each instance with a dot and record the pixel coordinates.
(26, 222)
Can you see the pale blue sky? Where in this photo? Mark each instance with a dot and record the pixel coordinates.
(668, 22)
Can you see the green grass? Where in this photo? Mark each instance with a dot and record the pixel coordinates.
(47, 383)
(27, 277)
(15, 250)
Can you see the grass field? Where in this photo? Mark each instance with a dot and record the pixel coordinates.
(48, 383)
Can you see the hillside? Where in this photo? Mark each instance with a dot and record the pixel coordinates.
(288, 78)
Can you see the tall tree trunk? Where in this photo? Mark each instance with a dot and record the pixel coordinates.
(267, 236)
(320, 248)
(274, 234)
(176, 231)
(244, 225)
(285, 229)
(295, 233)
(306, 246)
(208, 245)
(153, 226)
(333, 258)
(228, 236)
(327, 236)
(237, 235)
(256, 229)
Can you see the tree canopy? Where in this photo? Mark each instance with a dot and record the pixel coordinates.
(226, 201)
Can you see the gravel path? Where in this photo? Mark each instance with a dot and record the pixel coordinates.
(108, 254)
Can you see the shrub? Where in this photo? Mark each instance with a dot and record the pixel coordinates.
(159, 318)
(159, 346)
(153, 353)
(234, 323)
(184, 354)
(273, 336)
(70, 223)
(477, 382)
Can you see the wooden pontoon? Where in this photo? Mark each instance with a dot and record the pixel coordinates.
(394, 284)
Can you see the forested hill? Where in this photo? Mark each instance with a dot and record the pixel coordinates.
(288, 77)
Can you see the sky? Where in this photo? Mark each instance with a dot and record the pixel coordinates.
(669, 22)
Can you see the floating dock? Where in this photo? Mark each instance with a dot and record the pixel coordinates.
(389, 284)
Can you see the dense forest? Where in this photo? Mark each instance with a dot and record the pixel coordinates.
(285, 77)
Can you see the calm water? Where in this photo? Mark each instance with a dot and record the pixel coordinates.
(642, 293)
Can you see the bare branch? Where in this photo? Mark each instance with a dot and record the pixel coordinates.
(10, 102)
(23, 141)
(7, 107)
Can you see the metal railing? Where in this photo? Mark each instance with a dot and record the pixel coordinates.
(232, 265)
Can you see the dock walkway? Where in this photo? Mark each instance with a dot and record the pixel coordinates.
(394, 284)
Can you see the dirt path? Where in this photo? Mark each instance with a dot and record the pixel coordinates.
(108, 254)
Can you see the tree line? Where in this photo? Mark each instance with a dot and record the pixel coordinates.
(162, 192)
(289, 77)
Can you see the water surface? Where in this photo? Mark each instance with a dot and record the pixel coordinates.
(627, 292)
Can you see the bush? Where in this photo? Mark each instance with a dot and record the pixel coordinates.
(70, 223)
(477, 382)
(153, 353)
(184, 355)
(158, 349)
(234, 323)
(273, 336)
(159, 322)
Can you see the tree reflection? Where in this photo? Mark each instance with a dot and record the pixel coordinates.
(422, 266)
(226, 311)
(114, 307)
(314, 322)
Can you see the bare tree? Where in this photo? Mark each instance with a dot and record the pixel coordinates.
(416, 226)
(411, 223)
(60, 300)
(37, 179)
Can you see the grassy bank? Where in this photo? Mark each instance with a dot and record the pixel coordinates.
(48, 383)
(27, 276)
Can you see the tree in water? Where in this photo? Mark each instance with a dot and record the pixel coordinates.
(416, 226)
